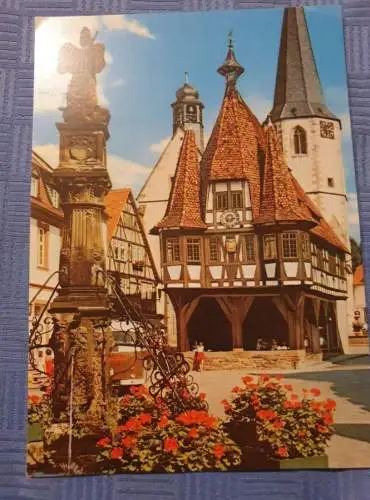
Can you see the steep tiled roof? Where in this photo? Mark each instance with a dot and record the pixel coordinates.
(114, 203)
(183, 209)
(358, 275)
(236, 146)
(322, 229)
(44, 171)
(279, 200)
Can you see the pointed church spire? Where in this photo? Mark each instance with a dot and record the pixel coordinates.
(298, 91)
(230, 69)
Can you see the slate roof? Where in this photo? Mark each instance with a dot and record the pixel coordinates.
(183, 208)
(298, 90)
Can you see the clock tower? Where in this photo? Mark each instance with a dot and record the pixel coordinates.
(311, 136)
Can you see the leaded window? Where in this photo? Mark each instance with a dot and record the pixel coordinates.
(221, 200)
(193, 250)
(236, 199)
(173, 250)
(289, 245)
(214, 250)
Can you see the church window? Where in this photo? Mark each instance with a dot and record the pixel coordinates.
(249, 248)
(193, 250)
(289, 244)
(42, 254)
(300, 141)
(214, 250)
(306, 251)
(330, 182)
(221, 200)
(173, 250)
(35, 181)
(236, 199)
(269, 246)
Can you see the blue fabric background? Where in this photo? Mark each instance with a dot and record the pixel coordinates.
(16, 91)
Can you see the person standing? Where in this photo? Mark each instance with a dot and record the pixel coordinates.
(201, 356)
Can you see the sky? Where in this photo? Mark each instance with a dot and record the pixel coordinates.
(146, 58)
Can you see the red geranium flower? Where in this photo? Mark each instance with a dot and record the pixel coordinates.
(301, 433)
(218, 451)
(288, 404)
(235, 389)
(321, 428)
(279, 377)
(116, 453)
(145, 418)
(103, 442)
(34, 399)
(163, 422)
(264, 377)
(315, 391)
(328, 419)
(202, 396)
(282, 451)
(278, 424)
(193, 433)
(315, 405)
(330, 404)
(266, 414)
(247, 379)
(129, 442)
(294, 397)
(170, 445)
(288, 387)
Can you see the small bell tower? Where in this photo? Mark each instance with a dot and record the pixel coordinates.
(188, 112)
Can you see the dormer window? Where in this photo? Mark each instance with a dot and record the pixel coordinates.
(289, 245)
(221, 200)
(300, 141)
(173, 250)
(236, 199)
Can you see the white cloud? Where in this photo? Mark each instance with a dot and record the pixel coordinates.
(49, 152)
(117, 83)
(159, 146)
(124, 23)
(123, 173)
(50, 35)
(126, 173)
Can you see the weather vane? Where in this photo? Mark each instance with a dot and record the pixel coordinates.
(230, 36)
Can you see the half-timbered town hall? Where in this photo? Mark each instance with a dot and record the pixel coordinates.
(247, 257)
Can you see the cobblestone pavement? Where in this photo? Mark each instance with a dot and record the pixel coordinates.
(347, 384)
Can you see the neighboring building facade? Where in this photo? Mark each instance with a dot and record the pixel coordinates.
(129, 258)
(245, 253)
(359, 296)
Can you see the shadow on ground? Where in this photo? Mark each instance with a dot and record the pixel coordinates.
(361, 432)
(353, 385)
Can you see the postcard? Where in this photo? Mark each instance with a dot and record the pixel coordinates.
(197, 294)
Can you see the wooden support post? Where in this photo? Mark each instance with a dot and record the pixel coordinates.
(183, 315)
(236, 310)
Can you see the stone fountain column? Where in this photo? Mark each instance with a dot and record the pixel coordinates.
(81, 337)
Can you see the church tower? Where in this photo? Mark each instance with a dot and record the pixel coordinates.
(188, 112)
(311, 138)
(310, 133)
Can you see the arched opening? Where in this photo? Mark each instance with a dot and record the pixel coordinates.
(264, 326)
(209, 325)
(300, 141)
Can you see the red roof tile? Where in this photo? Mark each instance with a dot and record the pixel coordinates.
(235, 147)
(183, 209)
(279, 200)
(114, 203)
(358, 275)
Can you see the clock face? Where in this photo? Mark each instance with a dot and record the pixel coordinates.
(327, 129)
(229, 218)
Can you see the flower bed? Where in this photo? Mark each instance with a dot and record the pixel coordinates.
(150, 439)
(266, 415)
